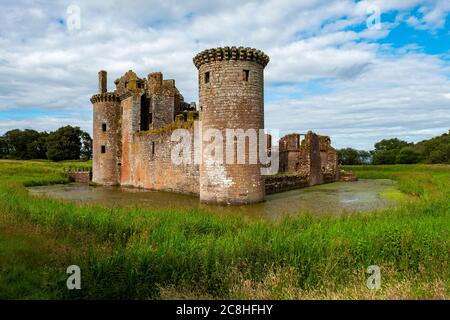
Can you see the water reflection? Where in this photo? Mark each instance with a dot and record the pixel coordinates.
(335, 198)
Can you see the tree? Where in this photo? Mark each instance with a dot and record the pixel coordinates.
(385, 157)
(86, 146)
(64, 144)
(3, 148)
(37, 149)
(390, 144)
(386, 150)
(348, 156)
(365, 157)
(435, 150)
(407, 155)
(17, 143)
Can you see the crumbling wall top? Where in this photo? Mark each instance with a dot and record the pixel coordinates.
(325, 143)
(290, 142)
(129, 82)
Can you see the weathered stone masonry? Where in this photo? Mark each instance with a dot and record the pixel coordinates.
(133, 125)
(313, 157)
(231, 97)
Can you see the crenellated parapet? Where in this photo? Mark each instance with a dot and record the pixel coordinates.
(105, 97)
(231, 53)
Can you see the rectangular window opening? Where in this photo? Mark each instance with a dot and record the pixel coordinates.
(153, 148)
(207, 77)
(150, 118)
(103, 149)
(246, 75)
(104, 127)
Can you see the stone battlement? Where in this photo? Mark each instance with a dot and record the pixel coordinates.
(231, 53)
(104, 97)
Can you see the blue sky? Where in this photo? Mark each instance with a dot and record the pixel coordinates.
(333, 68)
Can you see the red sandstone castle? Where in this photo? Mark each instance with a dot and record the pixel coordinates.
(133, 125)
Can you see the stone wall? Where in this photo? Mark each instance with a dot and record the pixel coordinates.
(164, 98)
(152, 166)
(328, 159)
(312, 156)
(289, 148)
(280, 183)
(345, 176)
(130, 125)
(79, 176)
(312, 144)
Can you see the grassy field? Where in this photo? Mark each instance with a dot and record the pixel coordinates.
(145, 254)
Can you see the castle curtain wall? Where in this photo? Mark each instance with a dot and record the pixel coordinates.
(152, 166)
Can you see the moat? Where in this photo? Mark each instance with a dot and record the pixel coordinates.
(334, 198)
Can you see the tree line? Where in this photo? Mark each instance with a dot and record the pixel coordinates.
(66, 143)
(396, 151)
(71, 143)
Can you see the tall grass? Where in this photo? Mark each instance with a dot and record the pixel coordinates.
(207, 255)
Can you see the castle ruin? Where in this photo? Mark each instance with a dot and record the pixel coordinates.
(133, 125)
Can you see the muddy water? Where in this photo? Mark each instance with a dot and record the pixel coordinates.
(334, 198)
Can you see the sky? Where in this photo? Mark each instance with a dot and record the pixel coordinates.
(358, 71)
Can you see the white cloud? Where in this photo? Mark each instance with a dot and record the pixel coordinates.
(432, 15)
(395, 97)
(369, 90)
(46, 123)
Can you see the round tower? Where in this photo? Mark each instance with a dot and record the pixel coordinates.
(106, 144)
(231, 94)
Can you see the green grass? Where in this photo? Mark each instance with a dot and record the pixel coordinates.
(147, 254)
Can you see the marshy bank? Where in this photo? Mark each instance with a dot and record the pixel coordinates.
(142, 253)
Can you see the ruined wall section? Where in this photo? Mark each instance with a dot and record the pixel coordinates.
(302, 156)
(312, 157)
(129, 90)
(329, 160)
(231, 84)
(129, 82)
(289, 153)
(147, 112)
(162, 94)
